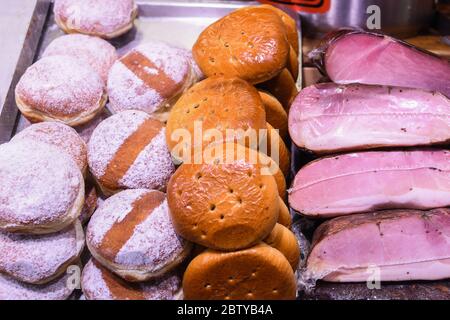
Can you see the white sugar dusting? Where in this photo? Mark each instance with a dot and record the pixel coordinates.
(154, 243)
(152, 168)
(39, 183)
(11, 289)
(109, 136)
(112, 210)
(98, 53)
(93, 284)
(32, 258)
(59, 135)
(95, 16)
(85, 130)
(61, 85)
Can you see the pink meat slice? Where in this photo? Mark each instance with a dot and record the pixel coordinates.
(329, 117)
(362, 57)
(368, 181)
(394, 245)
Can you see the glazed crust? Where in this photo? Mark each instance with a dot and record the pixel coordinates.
(282, 239)
(259, 273)
(249, 43)
(224, 206)
(282, 87)
(284, 217)
(275, 113)
(284, 155)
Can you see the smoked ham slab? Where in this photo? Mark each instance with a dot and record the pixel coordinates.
(395, 245)
(350, 56)
(373, 180)
(330, 117)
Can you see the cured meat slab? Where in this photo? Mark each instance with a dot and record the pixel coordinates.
(350, 56)
(396, 245)
(329, 117)
(373, 180)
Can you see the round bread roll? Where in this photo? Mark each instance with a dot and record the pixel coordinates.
(282, 156)
(231, 152)
(216, 105)
(38, 259)
(59, 135)
(131, 234)
(103, 18)
(12, 289)
(282, 239)
(98, 283)
(282, 87)
(128, 151)
(223, 206)
(275, 113)
(60, 88)
(290, 26)
(98, 53)
(42, 189)
(284, 217)
(150, 78)
(293, 64)
(258, 273)
(249, 43)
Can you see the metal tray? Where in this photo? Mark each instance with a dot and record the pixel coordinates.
(178, 23)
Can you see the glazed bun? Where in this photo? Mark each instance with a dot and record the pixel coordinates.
(128, 151)
(98, 283)
(249, 43)
(282, 239)
(131, 234)
(218, 104)
(39, 259)
(276, 116)
(103, 18)
(60, 88)
(277, 150)
(282, 87)
(150, 78)
(257, 273)
(59, 135)
(42, 189)
(223, 206)
(98, 53)
(284, 217)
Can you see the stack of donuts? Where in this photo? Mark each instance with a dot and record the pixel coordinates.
(100, 180)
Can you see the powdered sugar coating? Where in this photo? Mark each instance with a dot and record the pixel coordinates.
(61, 86)
(109, 136)
(96, 288)
(152, 168)
(127, 91)
(98, 53)
(110, 211)
(35, 258)
(11, 289)
(95, 16)
(39, 184)
(59, 135)
(85, 130)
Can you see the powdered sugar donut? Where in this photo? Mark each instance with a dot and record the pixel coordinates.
(85, 130)
(98, 283)
(128, 151)
(60, 88)
(39, 259)
(98, 53)
(149, 78)
(12, 289)
(103, 18)
(58, 135)
(90, 202)
(132, 235)
(41, 189)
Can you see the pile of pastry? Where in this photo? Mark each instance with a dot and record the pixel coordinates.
(223, 218)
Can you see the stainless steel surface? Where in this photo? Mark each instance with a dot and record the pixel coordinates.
(176, 22)
(401, 18)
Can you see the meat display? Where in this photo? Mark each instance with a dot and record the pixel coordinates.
(369, 181)
(392, 245)
(350, 56)
(330, 117)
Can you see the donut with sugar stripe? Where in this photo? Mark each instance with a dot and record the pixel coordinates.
(132, 235)
(127, 151)
(98, 283)
(150, 78)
